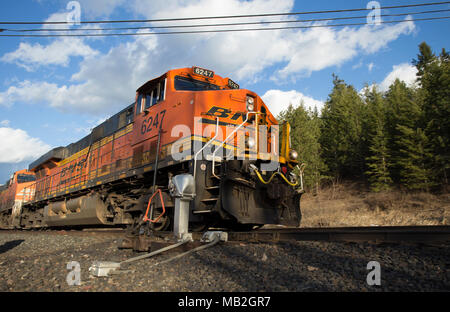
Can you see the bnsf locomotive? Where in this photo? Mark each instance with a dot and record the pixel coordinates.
(187, 121)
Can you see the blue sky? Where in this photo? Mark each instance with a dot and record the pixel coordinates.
(54, 90)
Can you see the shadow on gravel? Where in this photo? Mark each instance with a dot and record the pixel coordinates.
(254, 275)
(400, 275)
(10, 245)
(319, 270)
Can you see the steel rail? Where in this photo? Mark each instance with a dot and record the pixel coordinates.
(348, 234)
(394, 234)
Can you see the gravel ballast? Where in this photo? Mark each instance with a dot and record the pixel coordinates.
(37, 261)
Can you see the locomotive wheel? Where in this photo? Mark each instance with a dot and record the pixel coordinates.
(198, 227)
(163, 223)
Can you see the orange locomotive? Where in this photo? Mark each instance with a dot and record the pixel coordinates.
(12, 195)
(187, 121)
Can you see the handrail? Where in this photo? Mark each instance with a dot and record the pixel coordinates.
(204, 146)
(224, 141)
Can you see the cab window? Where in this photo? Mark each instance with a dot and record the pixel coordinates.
(22, 178)
(138, 104)
(189, 84)
(151, 97)
(162, 89)
(148, 100)
(155, 94)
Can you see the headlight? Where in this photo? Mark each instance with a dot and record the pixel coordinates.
(292, 177)
(293, 155)
(250, 103)
(250, 142)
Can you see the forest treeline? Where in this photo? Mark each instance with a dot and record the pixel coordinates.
(393, 139)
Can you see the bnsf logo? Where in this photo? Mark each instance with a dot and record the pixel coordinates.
(224, 113)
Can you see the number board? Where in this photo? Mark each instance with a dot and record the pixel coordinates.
(203, 72)
(232, 84)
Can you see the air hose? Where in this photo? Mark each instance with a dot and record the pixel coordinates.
(105, 268)
(214, 242)
(271, 178)
(156, 252)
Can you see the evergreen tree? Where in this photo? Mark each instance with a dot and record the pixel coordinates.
(378, 159)
(425, 58)
(434, 76)
(408, 141)
(341, 131)
(414, 173)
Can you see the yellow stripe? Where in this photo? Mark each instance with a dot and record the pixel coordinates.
(73, 157)
(129, 128)
(120, 133)
(104, 173)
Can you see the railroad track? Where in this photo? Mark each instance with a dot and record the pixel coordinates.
(349, 234)
(379, 234)
(83, 232)
(388, 234)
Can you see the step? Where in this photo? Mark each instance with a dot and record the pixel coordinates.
(201, 211)
(209, 157)
(209, 200)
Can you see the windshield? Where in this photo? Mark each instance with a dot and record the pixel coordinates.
(189, 84)
(22, 178)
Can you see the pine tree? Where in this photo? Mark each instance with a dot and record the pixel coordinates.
(425, 58)
(341, 131)
(378, 159)
(408, 142)
(414, 173)
(434, 76)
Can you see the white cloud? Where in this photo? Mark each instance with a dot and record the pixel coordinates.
(16, 146)
(370, 66)
(319, 48)
(278, 100)
(29, 92)
(31, 56)
(4, 123)
(405, 72)
(58, 52)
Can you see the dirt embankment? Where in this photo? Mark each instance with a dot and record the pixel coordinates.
(353, 205)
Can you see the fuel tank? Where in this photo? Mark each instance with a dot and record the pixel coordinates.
(84, 210)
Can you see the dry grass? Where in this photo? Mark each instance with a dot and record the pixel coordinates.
(351, 205)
